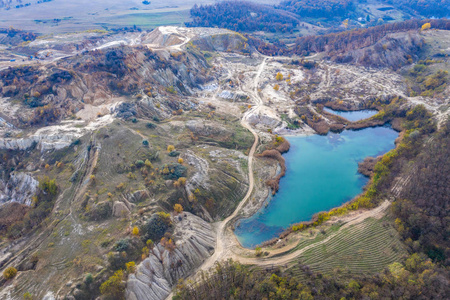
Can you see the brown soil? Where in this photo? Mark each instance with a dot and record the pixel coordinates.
(11, 213)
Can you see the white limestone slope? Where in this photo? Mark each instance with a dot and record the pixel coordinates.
(155, 276)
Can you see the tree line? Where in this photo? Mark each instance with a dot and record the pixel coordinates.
(242, 16)
(319, 8)
(431, 8)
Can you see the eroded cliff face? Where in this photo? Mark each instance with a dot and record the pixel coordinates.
(156, 275)
(54, 137)
(20, 187)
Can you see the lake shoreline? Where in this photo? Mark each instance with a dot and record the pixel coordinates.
(266, 202)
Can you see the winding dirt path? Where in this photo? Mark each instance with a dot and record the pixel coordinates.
(220, 252)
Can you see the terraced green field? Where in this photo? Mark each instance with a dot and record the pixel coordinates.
(363, 249)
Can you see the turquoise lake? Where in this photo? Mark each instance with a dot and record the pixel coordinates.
(321, 174)
(353, 115)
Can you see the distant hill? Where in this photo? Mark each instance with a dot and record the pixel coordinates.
(243, 16)
(319, 8)
(8, 4)
(431, 8)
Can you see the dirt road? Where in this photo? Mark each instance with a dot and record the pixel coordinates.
(220, 252)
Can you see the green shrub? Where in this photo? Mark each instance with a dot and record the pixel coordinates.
(48, 186)
(174, 153)
(88, 279)
(139, 163)
(122, 245)
(174, 171)
(156, 227)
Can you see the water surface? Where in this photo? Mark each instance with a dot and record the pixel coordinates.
(353, 115)
(321, 174)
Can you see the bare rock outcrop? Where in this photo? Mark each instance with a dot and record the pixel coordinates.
(54, 137)
(138, 196)
(226, 41)
(262, 120)
(120, 209)
(156, 275)
(20, 187)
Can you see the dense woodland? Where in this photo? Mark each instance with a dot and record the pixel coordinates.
(319, 8)
(424, 211)
(433, 8)
(342, 8)
(242, 16)
(247, 17)
(417, 278)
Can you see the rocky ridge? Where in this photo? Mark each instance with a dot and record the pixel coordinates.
(155, 276)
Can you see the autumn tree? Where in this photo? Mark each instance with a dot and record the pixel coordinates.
(178, 208)
(27, 296)
(148, 164)
(145, 253)
(10, 273)
(135, 231)
(131, 267)
(114, 286)
(426, 26)
(182, 181)
(279, 76)
(276, 87)
(168, 244)
(170, 148)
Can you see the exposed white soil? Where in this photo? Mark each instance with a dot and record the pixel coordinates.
(56, 136)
